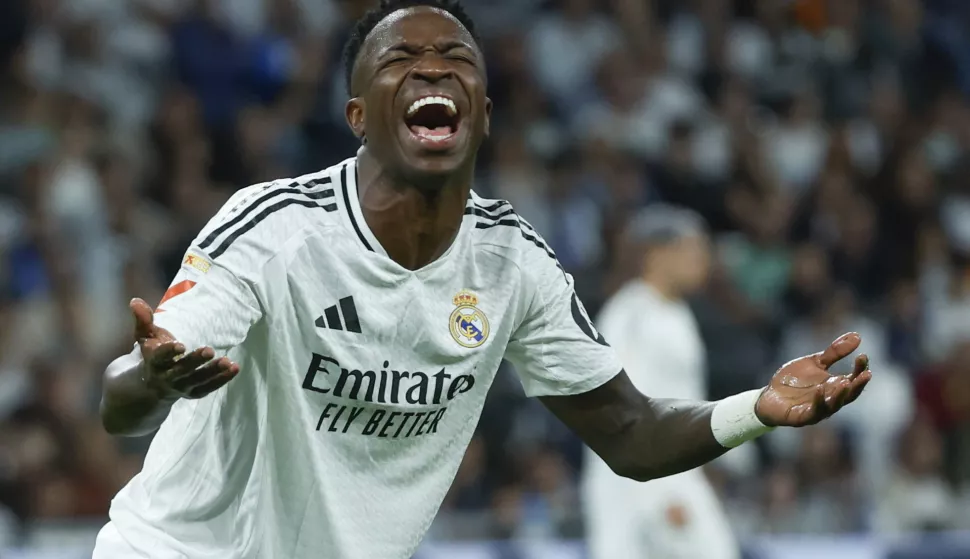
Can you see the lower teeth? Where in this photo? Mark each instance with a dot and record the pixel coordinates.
(437, 132)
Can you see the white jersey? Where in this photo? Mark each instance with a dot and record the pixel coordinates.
(361, 382)
(677, 517)
(658, 341)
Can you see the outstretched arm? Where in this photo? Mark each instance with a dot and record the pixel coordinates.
(639, 437)
(140, 387)
(645, 438)
(181, 347)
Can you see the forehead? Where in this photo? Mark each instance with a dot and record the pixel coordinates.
(693, 240)
(675, 243)
(417, 26)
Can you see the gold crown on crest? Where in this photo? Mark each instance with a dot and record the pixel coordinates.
(465, 298)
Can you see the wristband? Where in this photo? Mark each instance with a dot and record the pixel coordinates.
(734, 421)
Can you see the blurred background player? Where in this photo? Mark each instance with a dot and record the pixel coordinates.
(666, 252)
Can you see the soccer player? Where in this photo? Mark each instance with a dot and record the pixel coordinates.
(655, 335)
(319, 363)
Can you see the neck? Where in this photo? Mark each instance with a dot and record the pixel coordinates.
(416, 221)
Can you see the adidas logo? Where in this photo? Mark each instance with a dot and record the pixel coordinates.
(342, 316)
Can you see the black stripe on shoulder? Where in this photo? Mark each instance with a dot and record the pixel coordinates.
(267, 211)
(528, 226)
(474, 208)
(530, 236)
(318, 182)
(350, 209)
(525, 228)
(499, 204)
(513, 222)
(539, 243)
(478, 212)
(273, 193)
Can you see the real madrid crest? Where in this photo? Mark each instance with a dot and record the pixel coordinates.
(468, 323)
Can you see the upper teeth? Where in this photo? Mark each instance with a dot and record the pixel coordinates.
(448, 103)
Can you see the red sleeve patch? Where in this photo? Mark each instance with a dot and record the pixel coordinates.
(177, 289)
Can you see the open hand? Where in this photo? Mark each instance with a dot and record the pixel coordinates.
(168, 369)
(803, 392)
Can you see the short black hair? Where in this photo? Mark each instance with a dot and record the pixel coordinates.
(369, 21)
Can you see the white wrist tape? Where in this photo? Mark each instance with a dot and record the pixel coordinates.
(734, 421)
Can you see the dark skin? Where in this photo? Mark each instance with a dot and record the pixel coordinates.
(413, 197)
(413, 54)
(140, 388)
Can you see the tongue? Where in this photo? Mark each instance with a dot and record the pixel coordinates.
(437, 132)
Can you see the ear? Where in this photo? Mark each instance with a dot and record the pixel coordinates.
(488, 116)
(354, 112)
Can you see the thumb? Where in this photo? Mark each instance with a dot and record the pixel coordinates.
(144, 319)
(840, 348)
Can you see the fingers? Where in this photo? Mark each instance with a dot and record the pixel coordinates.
(829, 398)
(834, 394)
(861, 364)
(189, 363)
(144, 318)
(840, 395)
(858, 385)
(852, 384)
(819, 406)
(162, 355)
(845, 390)
(216, 382)
(206, 378)
(839, 349)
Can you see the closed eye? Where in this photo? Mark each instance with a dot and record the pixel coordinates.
(395, 60)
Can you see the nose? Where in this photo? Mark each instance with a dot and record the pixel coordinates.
(431, 69)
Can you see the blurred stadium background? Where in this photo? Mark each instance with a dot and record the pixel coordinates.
(827, 142)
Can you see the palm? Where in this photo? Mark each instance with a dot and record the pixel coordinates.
(803, 392)
(172, 371)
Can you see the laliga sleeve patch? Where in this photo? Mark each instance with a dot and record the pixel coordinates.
(194, 267)
(196, 262)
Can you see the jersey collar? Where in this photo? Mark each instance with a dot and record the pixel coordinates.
(347, 176)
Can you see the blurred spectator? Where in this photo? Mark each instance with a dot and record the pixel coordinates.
(871, 133)
(577, 28)
(819, 492)
(637, 101)
(918, 497)
(756, 256)
(945, 292)
(797, 145)
(575, 224)
(904, 330)
(943, 394)
(519, 176)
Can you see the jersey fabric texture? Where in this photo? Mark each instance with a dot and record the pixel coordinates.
(361, 382)
(677, 517)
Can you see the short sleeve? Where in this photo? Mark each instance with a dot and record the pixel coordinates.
(556, 349)
(208, 304)
(212, 301)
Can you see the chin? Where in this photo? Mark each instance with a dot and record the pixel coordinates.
(420, 166)
(426, 156)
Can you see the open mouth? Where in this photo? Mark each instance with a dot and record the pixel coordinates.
(433, 119)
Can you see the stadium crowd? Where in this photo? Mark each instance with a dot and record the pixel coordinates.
(826, 142)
